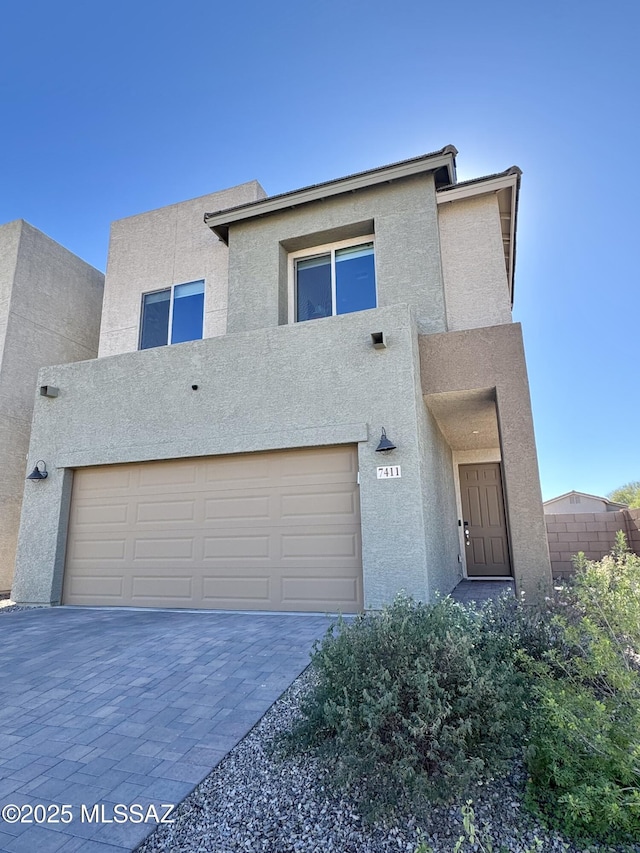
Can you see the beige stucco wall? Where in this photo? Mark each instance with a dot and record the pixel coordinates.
(154, 250)
(438, 485)
(439, 500)
(473, 265)
(494, 357)
(9, 243)
(258, 390)
(9, 500)
(52, 315)
(401, 215)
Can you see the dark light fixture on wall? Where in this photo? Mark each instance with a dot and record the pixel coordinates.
(39, 472)
(385, 445)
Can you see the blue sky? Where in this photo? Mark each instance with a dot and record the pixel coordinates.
(110, 109)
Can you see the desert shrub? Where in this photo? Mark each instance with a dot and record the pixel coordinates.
(606, 595)
(413, 699)
(584, 750)
(531, 629)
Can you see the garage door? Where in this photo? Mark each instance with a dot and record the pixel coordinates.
(259, 531)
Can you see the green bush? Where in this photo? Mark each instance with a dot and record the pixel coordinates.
(584, 751)
(414, 699)
(523, 628)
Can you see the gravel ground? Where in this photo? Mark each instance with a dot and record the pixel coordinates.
(257, 801)
(7, 606)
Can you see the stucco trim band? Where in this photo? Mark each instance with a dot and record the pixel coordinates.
(224, 441)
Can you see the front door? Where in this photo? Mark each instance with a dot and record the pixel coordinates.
(487, 546)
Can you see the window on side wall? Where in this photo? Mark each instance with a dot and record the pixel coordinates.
(335, 279)
(173, 315)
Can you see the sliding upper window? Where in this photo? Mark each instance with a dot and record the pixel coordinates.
(335, 279)
(173, 315)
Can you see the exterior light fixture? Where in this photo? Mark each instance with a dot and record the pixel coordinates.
(39, 472)
(385, 446)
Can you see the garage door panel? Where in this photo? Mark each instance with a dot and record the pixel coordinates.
(319, 545)
(104, 482)
(338, 505)
(163, 548)
(92, 585)
(161, 587)
(236, 591)
(100, 514)
(332, 463)
(251, 471)
(242, 547)
(165, 511)
(238, 507)
(278, 530)
(97, 550)
(328, 590)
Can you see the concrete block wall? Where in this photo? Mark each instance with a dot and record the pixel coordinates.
(633, 535)
(593, 533)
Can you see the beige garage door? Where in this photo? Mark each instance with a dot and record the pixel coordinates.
(259, 531)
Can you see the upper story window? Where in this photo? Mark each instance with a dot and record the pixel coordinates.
(334, 279)
(173, 315)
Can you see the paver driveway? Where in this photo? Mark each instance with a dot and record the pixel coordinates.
(106, 707)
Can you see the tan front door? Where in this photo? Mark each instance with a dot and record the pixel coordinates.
(487, 551)
(256, 531)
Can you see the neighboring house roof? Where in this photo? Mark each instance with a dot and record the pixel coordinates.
(441, 162)
(585, 495)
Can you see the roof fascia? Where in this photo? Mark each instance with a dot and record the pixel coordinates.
(480, 187)
(220, 222)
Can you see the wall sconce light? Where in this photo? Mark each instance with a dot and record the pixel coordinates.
(385, 446)
(39, 472)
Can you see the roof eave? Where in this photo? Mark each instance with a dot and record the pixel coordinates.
(220, 221)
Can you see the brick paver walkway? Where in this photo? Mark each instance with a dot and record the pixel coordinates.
(479, 591)
(106, 707)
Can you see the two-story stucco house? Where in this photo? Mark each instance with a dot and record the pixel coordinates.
(222, 451)
(50, 303)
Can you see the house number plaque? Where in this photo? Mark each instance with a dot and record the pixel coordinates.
(389, 472)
